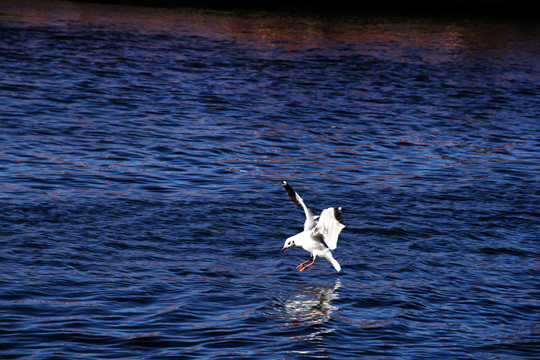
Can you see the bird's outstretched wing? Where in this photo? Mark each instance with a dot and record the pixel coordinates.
(329, 226)
(310, 218)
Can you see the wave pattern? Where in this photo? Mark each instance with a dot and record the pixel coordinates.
(141, 211)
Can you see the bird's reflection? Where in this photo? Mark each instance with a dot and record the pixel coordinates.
(312, 305)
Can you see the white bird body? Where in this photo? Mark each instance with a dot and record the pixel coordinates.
(319, 237)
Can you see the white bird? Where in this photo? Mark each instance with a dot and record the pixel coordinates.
(318, 238)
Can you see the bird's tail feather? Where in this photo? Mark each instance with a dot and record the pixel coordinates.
(334, 263)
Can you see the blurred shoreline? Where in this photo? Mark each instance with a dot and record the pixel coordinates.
(520, 9)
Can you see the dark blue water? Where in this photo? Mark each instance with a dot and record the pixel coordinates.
(141, 214)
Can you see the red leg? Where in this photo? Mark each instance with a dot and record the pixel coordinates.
(302, 264)
(311, 263)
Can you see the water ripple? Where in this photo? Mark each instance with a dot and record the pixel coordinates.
(142, 216)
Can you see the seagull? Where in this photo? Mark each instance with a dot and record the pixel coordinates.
(318, 237)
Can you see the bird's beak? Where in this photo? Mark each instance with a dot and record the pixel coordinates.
(283, 249)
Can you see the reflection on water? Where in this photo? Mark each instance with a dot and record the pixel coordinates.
(312, 305)
(273, 35)
(172, 101)
(306, 310)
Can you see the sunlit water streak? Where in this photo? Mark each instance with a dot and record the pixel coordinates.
(141, 211)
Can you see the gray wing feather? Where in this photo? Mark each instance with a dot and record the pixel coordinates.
(329, 226)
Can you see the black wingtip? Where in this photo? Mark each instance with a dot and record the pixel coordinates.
(292, 194)
(337, 215)
(286, 186)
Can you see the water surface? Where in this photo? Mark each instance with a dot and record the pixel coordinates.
(142, 216)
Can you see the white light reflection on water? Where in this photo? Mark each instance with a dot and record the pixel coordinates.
(312, 305)
(307, 312)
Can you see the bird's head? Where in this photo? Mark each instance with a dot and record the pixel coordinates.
(288, 243)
